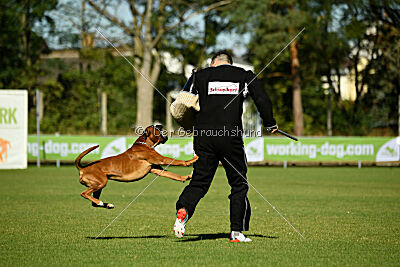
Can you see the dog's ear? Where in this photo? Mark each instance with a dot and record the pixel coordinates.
(146, 134)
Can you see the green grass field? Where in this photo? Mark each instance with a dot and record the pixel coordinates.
(349, 216)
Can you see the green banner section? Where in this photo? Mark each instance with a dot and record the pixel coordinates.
(69, 147)
(379, 149)
(330, 149)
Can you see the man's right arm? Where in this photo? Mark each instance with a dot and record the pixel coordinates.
(261, 99)
(188, 84)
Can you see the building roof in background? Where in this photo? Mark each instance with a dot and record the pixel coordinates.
(173, 64)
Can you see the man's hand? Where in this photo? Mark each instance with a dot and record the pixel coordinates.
(272, 129)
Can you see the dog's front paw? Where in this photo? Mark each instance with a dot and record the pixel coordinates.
(187, 178)
(109, 205)
(193, 160)
(100, 205)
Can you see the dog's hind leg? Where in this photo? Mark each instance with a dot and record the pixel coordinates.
(105, 205)
(97, 193)
(96, 202)
(87, 194)
(95, 186)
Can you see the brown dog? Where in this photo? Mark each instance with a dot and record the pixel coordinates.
(132, 165)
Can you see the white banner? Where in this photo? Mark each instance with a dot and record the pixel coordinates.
(13, 129)
(255, 150)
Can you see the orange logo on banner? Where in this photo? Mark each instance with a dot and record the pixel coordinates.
(3, 149)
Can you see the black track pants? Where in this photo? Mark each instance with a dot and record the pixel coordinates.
(230, 151)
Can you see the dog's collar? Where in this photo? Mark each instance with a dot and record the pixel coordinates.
(145, 144)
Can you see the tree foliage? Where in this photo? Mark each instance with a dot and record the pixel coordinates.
(358, 39)
(20, 45)
(339, 36)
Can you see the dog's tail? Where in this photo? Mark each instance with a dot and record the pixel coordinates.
(84, 153)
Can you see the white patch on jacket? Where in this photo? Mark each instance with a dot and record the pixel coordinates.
(223, 88)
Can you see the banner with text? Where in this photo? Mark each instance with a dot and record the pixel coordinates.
(13, 129)
(378, 149)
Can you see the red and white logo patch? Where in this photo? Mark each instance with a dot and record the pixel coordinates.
(223, 88)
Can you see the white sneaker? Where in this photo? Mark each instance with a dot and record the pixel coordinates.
(239, 237)
(180, 223)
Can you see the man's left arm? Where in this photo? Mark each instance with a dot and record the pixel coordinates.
(262, 101)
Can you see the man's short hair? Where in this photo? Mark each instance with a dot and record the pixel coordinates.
(222, 56)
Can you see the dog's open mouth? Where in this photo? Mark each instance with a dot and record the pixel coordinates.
(164, 138)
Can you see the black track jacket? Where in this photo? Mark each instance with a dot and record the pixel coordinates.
(217, 87)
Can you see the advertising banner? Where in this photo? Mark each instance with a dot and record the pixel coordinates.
(379, 149)
(13, 129)
(69, 147)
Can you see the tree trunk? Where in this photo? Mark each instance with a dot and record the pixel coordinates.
(81, 63)
(330, 100)
(168, 114)
(83, 24)
(329, 113)
(150, 68)
(103, 105)
(147, 33)
(337, 94)
(356, 61)
(398, 113)
(297, 105)
(145, 95)
(26, 37)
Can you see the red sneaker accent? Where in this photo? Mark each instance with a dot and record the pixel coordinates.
(233, 240)
(181, 214)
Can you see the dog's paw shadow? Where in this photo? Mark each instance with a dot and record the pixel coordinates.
(126, 237)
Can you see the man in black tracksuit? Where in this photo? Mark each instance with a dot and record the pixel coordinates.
(222, 89)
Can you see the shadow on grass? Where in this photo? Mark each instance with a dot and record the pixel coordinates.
(127, 237)
(189, 238)
(200, 237)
